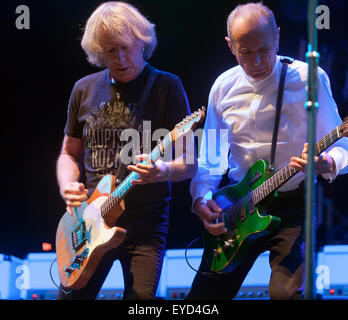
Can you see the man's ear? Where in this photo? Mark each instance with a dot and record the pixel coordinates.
(230, 45)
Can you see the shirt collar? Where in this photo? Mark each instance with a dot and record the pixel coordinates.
(272, 78)
(140, 75)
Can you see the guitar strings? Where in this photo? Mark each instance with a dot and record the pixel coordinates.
(327, 140)
(322, 144)
(255, 193)
(234, 210)
(124, 186)
(240, 203)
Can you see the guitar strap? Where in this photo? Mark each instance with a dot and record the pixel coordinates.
(137, 117)
(285, 62)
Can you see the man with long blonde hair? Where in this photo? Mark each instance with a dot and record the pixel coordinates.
(102, 107)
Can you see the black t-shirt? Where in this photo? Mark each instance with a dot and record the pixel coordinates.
(100, 110)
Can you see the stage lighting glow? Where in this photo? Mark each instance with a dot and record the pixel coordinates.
(46, 246)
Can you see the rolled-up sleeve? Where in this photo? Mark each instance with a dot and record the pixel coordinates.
(327, 120)
(213, 151)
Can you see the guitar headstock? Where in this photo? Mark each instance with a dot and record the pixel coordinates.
(188, 123)
(343, 128)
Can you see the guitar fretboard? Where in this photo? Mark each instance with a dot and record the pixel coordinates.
(126, 185)
(285, 173)
(280, 177)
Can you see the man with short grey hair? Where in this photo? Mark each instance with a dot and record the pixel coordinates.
(242, 102)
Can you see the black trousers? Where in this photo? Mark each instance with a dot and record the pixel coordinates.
(286, 257)
(141, 259)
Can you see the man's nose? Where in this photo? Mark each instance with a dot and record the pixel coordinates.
(119, 56)
(257, 59)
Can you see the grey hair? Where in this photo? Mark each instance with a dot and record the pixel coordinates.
(122, 22)
(252, 12)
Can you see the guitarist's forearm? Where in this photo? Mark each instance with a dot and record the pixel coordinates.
(184, 166)
(67, 170)
(181, 169)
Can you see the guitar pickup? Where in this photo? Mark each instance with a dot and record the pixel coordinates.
(78, 237)
(242, 215)
(251, 206)
(79, 259)
(257, 176)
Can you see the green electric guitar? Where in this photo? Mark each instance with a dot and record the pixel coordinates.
(244, 208)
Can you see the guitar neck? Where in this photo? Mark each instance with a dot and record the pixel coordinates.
(126, 185)
(180, 129)
(285, 173)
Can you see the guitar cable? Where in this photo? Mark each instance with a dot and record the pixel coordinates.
(212, 274)
(208, 274)
(59, 287)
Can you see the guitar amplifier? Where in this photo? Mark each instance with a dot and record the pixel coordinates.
(177, 275)
(331, 272)
(113, 286)
(42, 287)
(255, 285)
(175, 281)
(12, 276)
(30, 278)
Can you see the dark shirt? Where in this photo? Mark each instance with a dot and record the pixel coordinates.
(99, 111)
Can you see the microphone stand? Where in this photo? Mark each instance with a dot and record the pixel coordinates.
(312, 57)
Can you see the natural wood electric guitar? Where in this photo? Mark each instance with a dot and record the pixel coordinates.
(83, 238)
(244, 208)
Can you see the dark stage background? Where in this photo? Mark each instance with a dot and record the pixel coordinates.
(39, 67)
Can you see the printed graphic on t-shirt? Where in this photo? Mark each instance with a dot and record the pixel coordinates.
(104, 129)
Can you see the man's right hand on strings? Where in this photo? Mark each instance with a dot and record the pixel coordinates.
(74, 193)
(208, 211)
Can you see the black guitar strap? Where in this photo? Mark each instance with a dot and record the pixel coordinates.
(285, 62)
(137, 117)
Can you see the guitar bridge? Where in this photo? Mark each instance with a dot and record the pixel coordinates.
(257, 176)
(78, 260)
